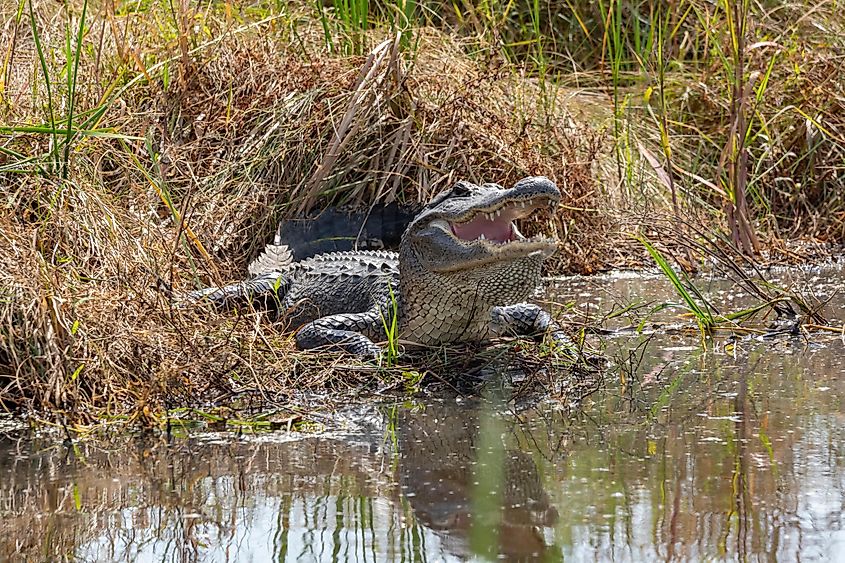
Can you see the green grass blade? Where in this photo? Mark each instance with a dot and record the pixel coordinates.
(702, 315)
(71, 89)
(43, 61)
(100, 133)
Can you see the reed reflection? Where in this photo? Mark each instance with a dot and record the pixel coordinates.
(694, 454)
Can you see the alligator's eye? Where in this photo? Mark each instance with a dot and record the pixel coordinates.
(461, 189)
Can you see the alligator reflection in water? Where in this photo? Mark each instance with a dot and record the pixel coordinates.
(441, 469)
(311, 499)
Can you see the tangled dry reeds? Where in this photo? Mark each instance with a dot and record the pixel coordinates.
(183, 176)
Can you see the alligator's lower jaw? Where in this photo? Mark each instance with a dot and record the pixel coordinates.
(496, 253)
(524, 247)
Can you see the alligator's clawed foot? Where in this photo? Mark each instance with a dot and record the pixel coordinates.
(198, 300)
(177, 300)
(196, 297)
(368, 353)
(325, 334)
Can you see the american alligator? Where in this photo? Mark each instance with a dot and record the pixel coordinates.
(462, 274)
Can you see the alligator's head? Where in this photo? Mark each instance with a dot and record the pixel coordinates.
(467, 239)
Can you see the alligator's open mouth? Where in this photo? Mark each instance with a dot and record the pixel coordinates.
(497, 224)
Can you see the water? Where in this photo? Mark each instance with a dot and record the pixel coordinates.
(732, 450)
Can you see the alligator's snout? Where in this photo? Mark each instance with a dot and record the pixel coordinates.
(478, 224)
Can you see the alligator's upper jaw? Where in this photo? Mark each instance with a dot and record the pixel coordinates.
(496, 225)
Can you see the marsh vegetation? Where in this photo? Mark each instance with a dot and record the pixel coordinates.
(156, 144)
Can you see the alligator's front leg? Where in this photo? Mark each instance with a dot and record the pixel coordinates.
(349, 332)
(526, 319)
(263, 292)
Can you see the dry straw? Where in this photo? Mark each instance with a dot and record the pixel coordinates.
(185, 176)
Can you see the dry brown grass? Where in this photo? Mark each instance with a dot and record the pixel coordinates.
(357, 131)
(247, 130)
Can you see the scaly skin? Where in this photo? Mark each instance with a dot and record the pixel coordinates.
(465, 274)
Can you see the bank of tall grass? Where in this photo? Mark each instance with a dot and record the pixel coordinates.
(156, 144)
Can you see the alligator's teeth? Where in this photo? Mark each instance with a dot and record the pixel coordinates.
(498, 213)
(522, 204)
(490, 216)
(482, 237)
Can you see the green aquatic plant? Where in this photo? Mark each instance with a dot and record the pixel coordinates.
(391, 331)
(707, 317)
(694, 301)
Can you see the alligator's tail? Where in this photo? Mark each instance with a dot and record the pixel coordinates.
(266, 291)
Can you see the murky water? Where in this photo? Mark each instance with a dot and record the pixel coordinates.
(731, 450)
